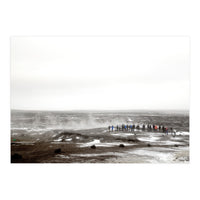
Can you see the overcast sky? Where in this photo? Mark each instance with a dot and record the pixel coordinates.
(67, 73)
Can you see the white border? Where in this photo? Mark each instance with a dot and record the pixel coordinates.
(73, 181)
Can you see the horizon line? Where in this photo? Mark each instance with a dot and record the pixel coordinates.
(71, 110)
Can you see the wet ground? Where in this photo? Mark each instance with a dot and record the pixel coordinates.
(101, 146)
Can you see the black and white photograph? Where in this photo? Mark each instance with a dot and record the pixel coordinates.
(100, 99)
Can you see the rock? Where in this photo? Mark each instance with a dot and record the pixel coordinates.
(93, 147)
(132, 140)
(187, 158)
(176, 145)
(16, 156)
(57, 150)
(149, 145)
(121, 145)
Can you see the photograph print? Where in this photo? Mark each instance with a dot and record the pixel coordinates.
(100, 99)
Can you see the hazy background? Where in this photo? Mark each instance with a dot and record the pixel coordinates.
(67, 73)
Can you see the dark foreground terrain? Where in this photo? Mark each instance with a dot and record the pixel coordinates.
(104, 147)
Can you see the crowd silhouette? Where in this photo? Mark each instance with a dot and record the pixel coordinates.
(150, 127)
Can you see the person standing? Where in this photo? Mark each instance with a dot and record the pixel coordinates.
(130, 127)
(171, 130)
(166, 130)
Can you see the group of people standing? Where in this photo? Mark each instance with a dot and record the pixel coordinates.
(129, 127)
